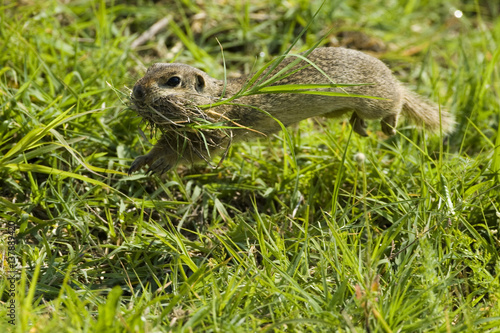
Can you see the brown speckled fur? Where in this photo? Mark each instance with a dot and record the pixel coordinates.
(161, 104)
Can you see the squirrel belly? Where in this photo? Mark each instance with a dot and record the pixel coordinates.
(168, 97)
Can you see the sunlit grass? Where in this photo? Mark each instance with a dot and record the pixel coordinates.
(312, 230)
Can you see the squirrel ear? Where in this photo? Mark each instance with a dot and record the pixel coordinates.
(200, 83)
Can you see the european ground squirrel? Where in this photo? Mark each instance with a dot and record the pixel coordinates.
(169, 96)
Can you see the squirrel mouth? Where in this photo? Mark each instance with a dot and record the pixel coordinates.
(177, 116)
(169, 111)
(178, 119)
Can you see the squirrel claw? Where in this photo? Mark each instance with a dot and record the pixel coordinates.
(159, 166)
(138, 163)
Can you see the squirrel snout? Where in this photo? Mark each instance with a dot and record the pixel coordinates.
(138, 92)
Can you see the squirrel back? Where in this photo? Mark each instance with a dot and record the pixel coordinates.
(368, 76)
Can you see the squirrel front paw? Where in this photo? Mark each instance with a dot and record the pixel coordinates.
(139, 162)
(160, 166)
(157, 164)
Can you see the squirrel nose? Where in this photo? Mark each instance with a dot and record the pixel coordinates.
(138, 92)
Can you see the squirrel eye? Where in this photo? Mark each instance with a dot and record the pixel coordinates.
(173, 81)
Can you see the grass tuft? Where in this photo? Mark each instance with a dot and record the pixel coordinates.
(312, 230)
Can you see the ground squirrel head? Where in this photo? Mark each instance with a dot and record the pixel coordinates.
(170, 94)
(167, 79)
(170, 79)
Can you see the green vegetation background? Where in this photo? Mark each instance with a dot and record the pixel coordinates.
(295, 238)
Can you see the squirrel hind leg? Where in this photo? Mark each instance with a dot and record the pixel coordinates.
(389, 124)
(358, 125)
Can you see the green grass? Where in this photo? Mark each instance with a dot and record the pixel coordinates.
(288, 235)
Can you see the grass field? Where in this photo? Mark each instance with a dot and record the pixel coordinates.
(297, 235)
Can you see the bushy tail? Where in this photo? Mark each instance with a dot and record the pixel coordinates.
(427, 114)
